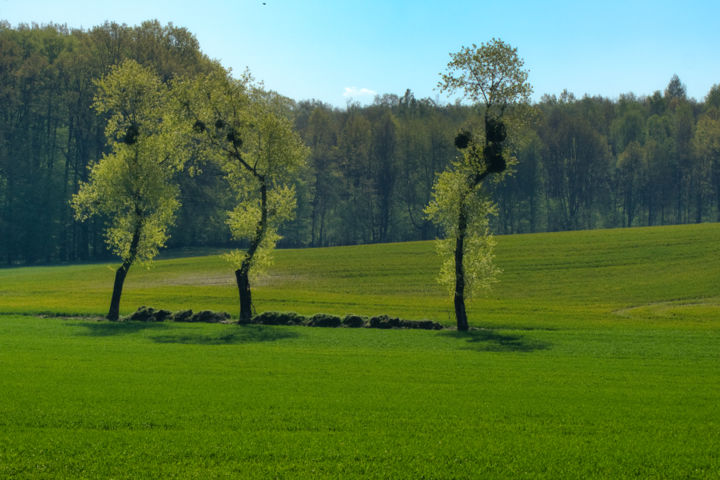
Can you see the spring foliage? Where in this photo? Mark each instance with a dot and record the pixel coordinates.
(451, 192)
(244, 219)
(132, 185)
(492, 76)
(245, 131)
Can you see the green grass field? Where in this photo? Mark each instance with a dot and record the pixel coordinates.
(599, 357)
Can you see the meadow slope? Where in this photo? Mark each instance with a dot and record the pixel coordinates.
(657, 274)
(598, 357)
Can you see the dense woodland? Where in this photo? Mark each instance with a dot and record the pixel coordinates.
(581, 163)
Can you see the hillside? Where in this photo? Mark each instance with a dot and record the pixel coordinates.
(663, 275)
(598, 359)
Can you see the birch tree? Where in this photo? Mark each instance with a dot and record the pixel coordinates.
(245, 130)
(492, 77)
(132, 186)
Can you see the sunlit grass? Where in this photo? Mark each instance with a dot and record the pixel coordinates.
(107, 400)
(561, 279)
(598, 358)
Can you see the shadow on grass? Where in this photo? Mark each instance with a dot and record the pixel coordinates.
(108, 329)
(227, 334)
(231, 336)
(493, 341)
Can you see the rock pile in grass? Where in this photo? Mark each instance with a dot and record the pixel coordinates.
(149, 314)
(349, 321)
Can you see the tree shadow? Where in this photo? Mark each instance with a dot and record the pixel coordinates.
(238, 334)
(486, 340)
(108, 329)
(226, 334)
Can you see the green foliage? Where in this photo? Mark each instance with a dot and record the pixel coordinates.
(245, 218)
(675, 89)
(243, 129)
(132, 185)
(491, 74)
(372, 167)
(451, 193)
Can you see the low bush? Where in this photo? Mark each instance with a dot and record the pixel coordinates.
(384, 321)
(279, 318)
(324, 320)
(421, 324)
(354, 321)
(208, 316)
(182, 316)
(149, 314)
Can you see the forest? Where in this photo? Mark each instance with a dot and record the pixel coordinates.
(578, 163)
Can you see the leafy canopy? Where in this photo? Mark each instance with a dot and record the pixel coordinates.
(132, 185)
(248, 133)
(491, 74)
(451, 193)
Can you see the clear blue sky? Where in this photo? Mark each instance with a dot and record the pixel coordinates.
(334, 50)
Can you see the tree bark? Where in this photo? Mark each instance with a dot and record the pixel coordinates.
(460, 314)
(243, 273)
(121, 273)
(243, 283)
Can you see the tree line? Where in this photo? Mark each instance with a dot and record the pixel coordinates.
(576, 163)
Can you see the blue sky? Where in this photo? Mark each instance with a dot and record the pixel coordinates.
(339, 50)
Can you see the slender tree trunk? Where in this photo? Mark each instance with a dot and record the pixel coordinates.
(315, 214)
(698, 206)
(121, 273)
(242, 275)
(460, 314)
(243, 283)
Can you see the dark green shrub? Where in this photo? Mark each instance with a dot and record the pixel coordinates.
(182, 316)
(421, 324)
(354, 321)
(162, 315)
(279, 318)
(207, 316)
(383, 321)
(144, 314)
(324, 320)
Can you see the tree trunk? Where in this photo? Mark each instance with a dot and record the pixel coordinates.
(120, 275)
(243, 283)
(698, 206)
(243, 273)
(114, 312)
(460, 314)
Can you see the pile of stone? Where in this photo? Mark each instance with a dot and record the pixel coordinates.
(149, 314)
(349, 321)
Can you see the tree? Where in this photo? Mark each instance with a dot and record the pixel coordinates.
(132, 185)
(675, 89)
(576, 164)
(245, 130)
(493, 77)
(321, 137)
(386, 174)
(706, 146)
(358, 189)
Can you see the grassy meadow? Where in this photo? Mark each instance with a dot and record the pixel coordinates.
(598, 357)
